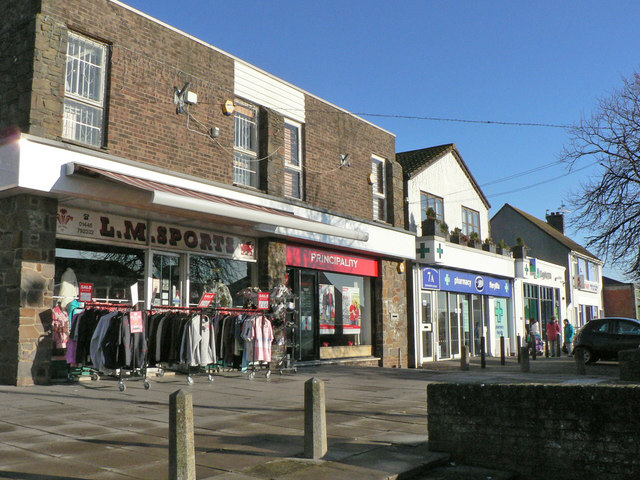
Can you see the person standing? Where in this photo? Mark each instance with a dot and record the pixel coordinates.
(553, 334)
(569, 332)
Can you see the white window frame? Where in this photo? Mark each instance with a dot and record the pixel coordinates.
(84, 108)
(291, 168)
(468, 228)
(379, 187)
(246, 166)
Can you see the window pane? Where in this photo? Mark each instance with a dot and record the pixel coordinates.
(82, 123)
(291, 145)
(292, 183)
(245, 170)
(85, 68)
(245, 132)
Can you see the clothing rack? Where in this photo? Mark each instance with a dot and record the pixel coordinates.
(253, 366)
(140, 373)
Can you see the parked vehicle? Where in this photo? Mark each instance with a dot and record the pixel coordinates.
(603, 338)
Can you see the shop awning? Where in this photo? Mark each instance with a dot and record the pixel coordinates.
(186, 199)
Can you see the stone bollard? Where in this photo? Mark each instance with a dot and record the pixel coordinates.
(182, 456)
(524, 359)
(315, 422)
(464, 358)
(629, 364)
(580, 366)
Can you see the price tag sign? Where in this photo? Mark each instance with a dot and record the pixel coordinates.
(206, 300)
(135, 322)
(85, 292)
(263, 300)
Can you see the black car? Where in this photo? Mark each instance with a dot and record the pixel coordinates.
(603, 338)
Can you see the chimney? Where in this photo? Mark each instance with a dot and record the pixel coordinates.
(556, 220)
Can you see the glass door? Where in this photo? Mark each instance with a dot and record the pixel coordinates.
(444, 345)
(308, 317)
(166, 280)
(478, 323)
(426, 327)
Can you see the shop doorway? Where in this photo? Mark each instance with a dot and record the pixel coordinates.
(308, 317)
(166, 280)
(426, 327)
(443, 328)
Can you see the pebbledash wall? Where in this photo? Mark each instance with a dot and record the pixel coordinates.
(569, 432)
(147, 60)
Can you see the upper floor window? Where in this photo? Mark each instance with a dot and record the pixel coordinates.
(379, 184)
(587, 269)
(245, 156)
(428, 201)
(292, 160)
(83, 119)
(470, 221)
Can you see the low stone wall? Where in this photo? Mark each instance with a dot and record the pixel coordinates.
(539, 431)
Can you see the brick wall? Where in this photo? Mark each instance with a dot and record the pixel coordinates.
(619, 301)
(149, 60)
(569, 432)
(27, 264)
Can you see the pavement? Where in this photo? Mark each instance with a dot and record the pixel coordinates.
(250, 429)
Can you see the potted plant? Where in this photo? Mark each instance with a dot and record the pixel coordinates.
(456, 235)
(431, 225)
(444, 230)
(501, 247)
(489, 245)
(474, 240)
(520, 249)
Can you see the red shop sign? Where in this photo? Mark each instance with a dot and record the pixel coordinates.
(331, 261)
(206, 300)
(85, 293)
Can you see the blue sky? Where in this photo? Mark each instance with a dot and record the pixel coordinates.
(544, 62)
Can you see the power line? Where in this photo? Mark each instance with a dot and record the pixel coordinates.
(462, 120)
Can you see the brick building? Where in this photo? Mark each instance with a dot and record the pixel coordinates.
(619, 299)
(146, 163)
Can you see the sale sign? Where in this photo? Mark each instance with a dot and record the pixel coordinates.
(263, 300)
(85, 292)
(206, 299)
(135, 322)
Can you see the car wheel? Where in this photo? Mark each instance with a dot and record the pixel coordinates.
(589, 357)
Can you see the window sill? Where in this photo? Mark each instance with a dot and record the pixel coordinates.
(75, 143)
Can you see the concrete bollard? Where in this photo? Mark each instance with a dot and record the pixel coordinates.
(502, 359)
(519, 345)
(580, 366)
(483, 360)
(525, 367)
(182, 456)
(464, 358)
(315, 422)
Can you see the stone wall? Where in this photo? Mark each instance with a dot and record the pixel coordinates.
(27, 267)
(569, 432)
(391, 332)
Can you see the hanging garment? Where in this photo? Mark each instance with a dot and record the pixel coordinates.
(60, 327)
(96, 351)
(263, 337)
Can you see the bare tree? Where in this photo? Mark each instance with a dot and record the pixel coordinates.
(608, 204)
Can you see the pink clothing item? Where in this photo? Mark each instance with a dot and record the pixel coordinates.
(262, 339)
(60, 327)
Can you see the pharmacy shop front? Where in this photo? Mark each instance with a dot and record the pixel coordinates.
(460, 308)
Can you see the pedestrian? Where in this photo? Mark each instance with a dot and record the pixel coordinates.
(569, 332)
(553, 334)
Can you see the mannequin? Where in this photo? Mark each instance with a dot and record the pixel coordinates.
(68, 287)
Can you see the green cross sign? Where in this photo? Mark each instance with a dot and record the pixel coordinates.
(423, 250)
(439, 250)
(499, 312)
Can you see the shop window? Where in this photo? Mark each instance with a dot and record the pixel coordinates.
(379, 184)
(245, 159)
(470, 222)
(84, 102)
(292, 161)
(428, 201)
(343, 303)
(166, 281)
(112, 271)
(221, 276)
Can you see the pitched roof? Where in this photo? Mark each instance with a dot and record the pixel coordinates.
(415, 161)
(552, 232)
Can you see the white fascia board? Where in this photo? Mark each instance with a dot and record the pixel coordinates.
(40, 165)
(9, 164)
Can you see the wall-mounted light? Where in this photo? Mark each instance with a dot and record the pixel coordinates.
(372, 178)
(345, 160)
(401, 267)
